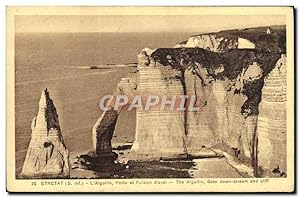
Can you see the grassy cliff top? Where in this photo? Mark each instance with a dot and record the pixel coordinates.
(268, 49)
(273, 42)
(233, 62)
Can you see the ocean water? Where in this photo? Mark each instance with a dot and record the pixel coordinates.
(57, 61)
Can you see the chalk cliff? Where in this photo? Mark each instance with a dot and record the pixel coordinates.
(239, 80)
(271, 124)
(47, 155)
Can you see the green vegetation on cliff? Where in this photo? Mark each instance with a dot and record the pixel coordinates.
(273, 42)
(268, 50)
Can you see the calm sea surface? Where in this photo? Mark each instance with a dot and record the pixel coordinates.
(56, 61)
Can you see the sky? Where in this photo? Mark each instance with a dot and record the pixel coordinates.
(140, 23)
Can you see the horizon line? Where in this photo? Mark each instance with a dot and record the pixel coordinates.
(212, 31)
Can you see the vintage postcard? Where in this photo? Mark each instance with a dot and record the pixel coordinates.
(150, 99)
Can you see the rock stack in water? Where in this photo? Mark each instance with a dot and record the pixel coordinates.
(47, 155)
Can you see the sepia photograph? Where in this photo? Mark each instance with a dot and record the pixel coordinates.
(150, 99)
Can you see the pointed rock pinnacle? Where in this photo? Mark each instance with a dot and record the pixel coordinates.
(47, 155)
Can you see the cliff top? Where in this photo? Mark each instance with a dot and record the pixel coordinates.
(269, 45)
(233, 61)
(275, 40)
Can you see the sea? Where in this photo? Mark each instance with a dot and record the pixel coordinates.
(60, 62)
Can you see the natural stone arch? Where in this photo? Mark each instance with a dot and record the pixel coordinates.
(104, 128)
(103, 131)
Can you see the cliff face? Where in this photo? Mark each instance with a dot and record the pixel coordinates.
(238, 78)
(47, 155)
(210, 42)
(155, 126)
(271, 126)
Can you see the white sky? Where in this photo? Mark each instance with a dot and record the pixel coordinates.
(171, 23)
